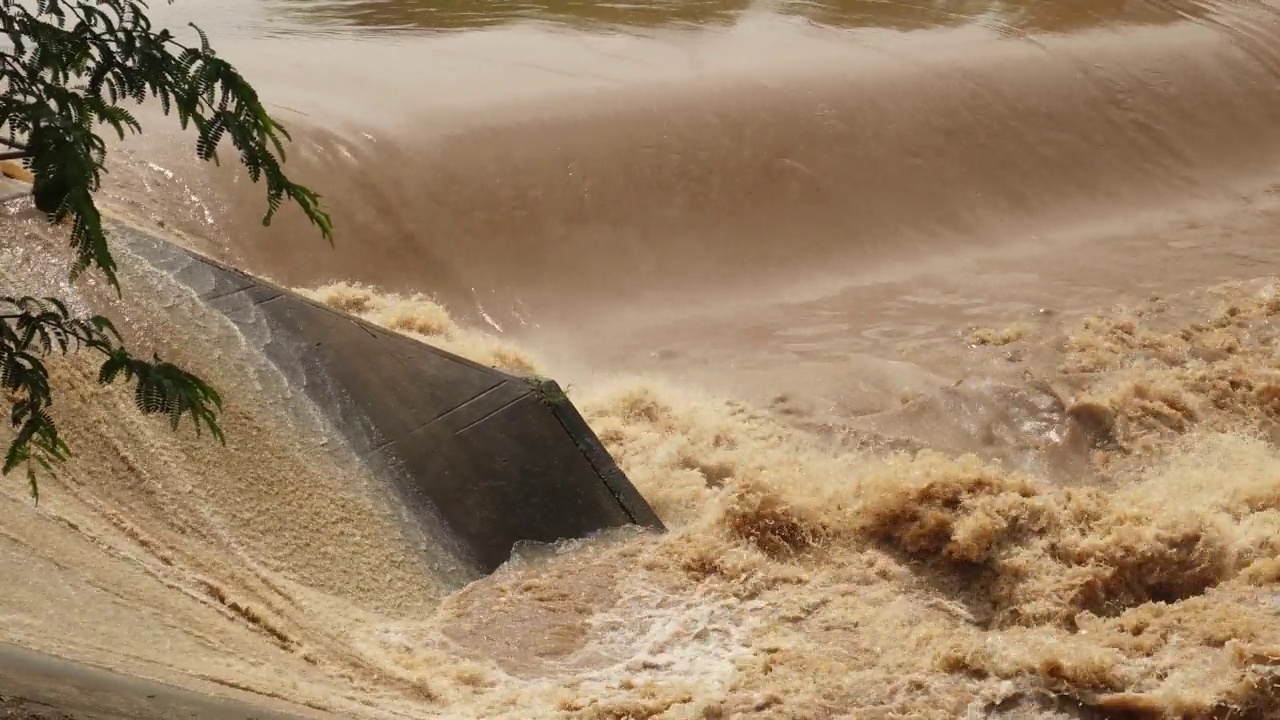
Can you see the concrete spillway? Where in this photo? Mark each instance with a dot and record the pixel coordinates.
(481, 459)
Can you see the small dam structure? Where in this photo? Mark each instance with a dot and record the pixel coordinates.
(482, 460)
(479, 459)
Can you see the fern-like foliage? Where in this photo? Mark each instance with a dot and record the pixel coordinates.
(68, 67)
(32, 329)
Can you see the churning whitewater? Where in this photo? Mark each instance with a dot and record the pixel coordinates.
(942, 338)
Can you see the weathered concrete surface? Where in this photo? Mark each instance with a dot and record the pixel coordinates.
(35, 685)
(482, 459)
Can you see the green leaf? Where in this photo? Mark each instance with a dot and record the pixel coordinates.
(68, 67)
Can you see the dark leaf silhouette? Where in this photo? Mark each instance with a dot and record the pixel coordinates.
(27, 325)
(65, 68)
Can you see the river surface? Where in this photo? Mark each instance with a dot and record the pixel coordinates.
(939, 333)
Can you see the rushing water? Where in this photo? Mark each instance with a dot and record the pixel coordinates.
(940, 334)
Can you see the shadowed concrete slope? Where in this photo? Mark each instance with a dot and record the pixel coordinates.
(37, 686)
(481, 459)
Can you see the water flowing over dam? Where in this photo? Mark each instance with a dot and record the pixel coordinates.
(939, 337)
(483, 459)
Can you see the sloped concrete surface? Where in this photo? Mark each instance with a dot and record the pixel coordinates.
(34, 685)
(482, 459)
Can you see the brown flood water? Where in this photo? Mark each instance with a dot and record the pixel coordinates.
(940, 334)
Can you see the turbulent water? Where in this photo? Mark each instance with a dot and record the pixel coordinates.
(942, 336)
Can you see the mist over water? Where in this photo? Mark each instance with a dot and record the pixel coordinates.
(941, 335)
(561, 168)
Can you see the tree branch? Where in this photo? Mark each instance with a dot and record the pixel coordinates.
(57, 85)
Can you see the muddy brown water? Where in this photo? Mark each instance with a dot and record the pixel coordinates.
(766, 244)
